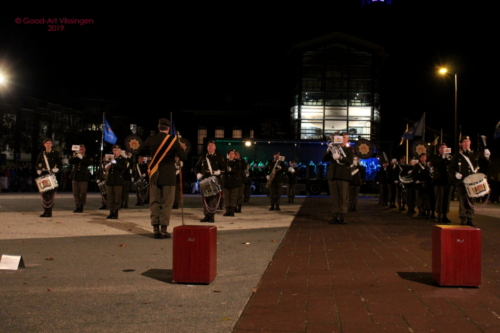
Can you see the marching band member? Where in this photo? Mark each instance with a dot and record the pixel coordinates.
(400, 198)
(339, 176)
(391, 186)
(49, 161)
(355, 185)
(101, 174)
(292, 174)
(232, 182)
(276, 169)
(80, 177)
(422, 178)
(463, 164)
(382, 178)
(443, 185)
(141, 171)
(410, 187)
(127, 178)
(209, 165)
(114, 181)
(163, 147)
(178, 166)
(242, 166)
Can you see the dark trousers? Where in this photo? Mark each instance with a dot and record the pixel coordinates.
(161, 199)
(240, 196)
(114, 194)
(339, 192)
(275, 193)
(231, 196)
(125, 191)
(442, 194)
(291, 190)
(80, 192)
(400, 198)
(247, 191)
(353, 195)
(464, 209)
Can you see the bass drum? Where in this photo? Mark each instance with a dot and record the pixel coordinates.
(363, 149)
(133, 143)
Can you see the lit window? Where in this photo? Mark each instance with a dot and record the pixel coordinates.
(202, 133)
(219, 133)
(237, 134)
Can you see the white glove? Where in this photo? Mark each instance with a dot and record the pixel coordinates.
(113, 161)
(132, 178)
(199, 175)
(394, 161)
(458, 175)
(336, 156)
(418, 182)
(229, 169)
(177, 172)
(487, 153)
(217, 172)
(396, 181)
(410, 171)
(268, 177)
(39, 172)
(290, 169)
(80, 156)
(378, 183)
(55, 170)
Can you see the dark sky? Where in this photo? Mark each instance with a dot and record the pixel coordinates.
(148, 57)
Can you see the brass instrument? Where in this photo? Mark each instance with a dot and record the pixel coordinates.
(273, 173)
(335, 148)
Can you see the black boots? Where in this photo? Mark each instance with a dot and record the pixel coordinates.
(156, 231)
(278, 207)
(335, 219)
(338, 218)
(47, 212)
(113, 214)
(237, 209)
(272, 207)
(208, 218)
(78, 209)
(163, 233)
(102, 207)
(341, 219)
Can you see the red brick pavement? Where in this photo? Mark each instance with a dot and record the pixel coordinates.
(372, 275)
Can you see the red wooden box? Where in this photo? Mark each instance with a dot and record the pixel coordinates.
(456, 255)
(194, 254)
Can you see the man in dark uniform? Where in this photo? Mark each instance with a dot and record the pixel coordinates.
(232, 182)
(242, 166)
(80, 177)
(127, 179)
(443, 185)
(355, 185)
(178, 166)
(141, 172)
(114, 181)
(292, 174)
(422, 178)
(101, 183)
(209, 165)
(463, 164)
(339, 176)
(276, 172)
(382, 178)
(49, 162)
(400, 197)
(163, 148)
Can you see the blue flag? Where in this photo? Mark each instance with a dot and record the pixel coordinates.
(416, 130)
(109, 135)
(172, 126)
(497, 131)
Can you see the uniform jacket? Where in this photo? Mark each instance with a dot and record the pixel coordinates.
(339, 170)
(127, 173)
(216, 162)
(441, 175)
(459, 164)
(292, 176)
(422, 175)
(281, 169)
(356, 178)
(232, 174)
(166, 168)
(53, 158)
(114, 174)
(80, 171)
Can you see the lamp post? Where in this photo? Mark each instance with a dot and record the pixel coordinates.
(444, 71)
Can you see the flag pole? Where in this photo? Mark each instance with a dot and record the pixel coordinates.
(407, 161)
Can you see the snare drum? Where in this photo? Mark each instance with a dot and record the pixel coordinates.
(141, 184)
(46, 183)
(210, 186)
(476, 185)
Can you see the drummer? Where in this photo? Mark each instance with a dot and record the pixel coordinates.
(209, 165)
(463, 164)
(49, 162)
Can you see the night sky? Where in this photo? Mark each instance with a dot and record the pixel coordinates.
(148, 58)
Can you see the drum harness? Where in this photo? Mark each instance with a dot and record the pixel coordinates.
(210, 210)
(468, 200)
(49, 203)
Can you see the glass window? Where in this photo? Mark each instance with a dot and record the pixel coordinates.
(202, 133)
(219, 133)
(237, 133)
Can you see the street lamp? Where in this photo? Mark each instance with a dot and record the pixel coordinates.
(444, 71)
